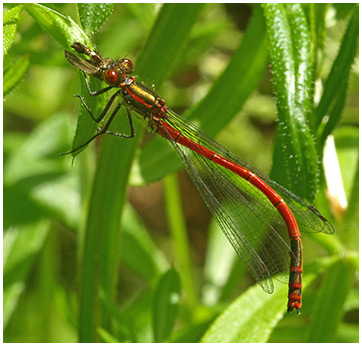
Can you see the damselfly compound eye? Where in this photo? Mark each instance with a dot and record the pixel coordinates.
(127, 66)
(111, 77)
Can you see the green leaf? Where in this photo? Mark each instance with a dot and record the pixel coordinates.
(351, 219)
(347, 144)
(295, 161)
(86, 126)
(179, 236)
(234, 85)
(107, 337)
(318, 27)
(165, 305)
(138, 252)
(329, 307)
(62, 28)
(21, 246)
(144, 12)
(163, 33)
(15, 73)
(343, 9)
(121, 322)
(93, 15)
(250, 318)
(220, 263)
(36, 181)
(333, 98)
(10, 22)
(317, 22)
(253, 316)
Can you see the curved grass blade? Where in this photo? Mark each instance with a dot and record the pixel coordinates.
(93, 15)
(333, 98)
(295, 161)
(253, 316)
(14, 74)
(10, 22)
(165, 305)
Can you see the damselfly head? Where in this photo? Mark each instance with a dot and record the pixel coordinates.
(116, 72)
(112, 72)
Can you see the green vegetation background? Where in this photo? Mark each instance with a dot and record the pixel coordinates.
(101, 249)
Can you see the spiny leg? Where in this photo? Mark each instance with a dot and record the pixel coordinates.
(104, 130)
(98, 92)
(123, 135)
(105, 110)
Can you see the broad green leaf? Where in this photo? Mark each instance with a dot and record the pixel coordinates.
(37, 183)
(15, 73)
(21, 246)
(62, 28)
(250, 318)
(93, 15)
(253, 316)
(37, 154)
(295, 161)
(10, 21)
(165, 305)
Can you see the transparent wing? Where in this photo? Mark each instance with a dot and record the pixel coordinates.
(84, 65)
(251, 223)
(244, 214)
(308, 217)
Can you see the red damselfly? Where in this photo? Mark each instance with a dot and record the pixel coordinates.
(247, 205)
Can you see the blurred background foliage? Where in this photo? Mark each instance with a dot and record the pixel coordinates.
(46, 197)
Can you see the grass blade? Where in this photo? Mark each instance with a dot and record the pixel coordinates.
(295, 161)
